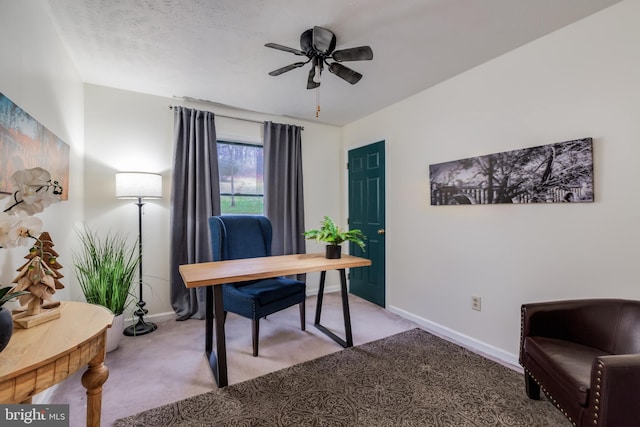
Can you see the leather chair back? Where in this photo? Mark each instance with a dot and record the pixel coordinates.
(594, 323)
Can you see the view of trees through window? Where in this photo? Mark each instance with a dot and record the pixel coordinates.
(241, 185)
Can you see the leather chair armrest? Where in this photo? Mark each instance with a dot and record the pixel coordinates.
(615, 386)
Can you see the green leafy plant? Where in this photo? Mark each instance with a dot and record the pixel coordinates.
(331, 234)
(6, 295)
(105, 267)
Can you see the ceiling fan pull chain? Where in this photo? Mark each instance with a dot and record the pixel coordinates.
(317, 101)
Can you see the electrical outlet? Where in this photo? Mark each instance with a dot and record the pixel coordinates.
(476, 303)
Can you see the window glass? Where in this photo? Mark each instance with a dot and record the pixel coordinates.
(241, 186)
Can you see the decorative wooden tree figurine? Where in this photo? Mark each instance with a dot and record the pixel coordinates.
(39, 276)
(44, 249)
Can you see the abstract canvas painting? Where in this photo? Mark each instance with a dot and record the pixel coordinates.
(26, 143)
(553, 173)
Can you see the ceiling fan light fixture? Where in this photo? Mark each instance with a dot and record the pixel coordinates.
(317, 74)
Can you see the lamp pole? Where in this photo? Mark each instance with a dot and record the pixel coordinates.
(142, 327)
(139, 185)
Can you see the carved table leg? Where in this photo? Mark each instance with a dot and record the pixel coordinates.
(92, 380)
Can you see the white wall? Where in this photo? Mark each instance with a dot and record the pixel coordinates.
(581, 81)
(37, 74)
(132, 131)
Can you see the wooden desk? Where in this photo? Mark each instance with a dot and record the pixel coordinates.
(211, 274)
(39, 357)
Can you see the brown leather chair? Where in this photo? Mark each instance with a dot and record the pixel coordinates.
(585, 356)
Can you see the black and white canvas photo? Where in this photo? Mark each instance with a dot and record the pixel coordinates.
(553, 173)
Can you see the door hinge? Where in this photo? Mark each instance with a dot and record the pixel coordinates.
(347, 165)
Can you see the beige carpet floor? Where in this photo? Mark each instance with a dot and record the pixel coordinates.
(169, 364)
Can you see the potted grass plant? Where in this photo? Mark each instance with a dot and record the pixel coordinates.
(106, 267)
(334, 236)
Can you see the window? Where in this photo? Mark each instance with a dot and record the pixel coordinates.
(241, 186)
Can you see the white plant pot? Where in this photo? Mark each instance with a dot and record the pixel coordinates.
(114, 333)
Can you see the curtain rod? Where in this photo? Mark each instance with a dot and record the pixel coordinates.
(237, 118)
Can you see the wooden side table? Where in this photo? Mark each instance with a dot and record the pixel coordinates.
(39, 357)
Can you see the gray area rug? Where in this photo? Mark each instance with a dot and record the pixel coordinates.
(409, 379)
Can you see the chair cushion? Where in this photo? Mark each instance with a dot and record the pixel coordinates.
(269, 290)
(569, 364)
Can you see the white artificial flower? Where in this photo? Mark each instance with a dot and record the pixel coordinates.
(7, 222)
(34, 177)
(27, 227)
(34, 191)
(29, 206)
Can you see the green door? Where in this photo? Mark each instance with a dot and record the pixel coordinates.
(366, 213)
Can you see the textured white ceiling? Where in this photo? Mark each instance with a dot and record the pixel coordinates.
(214, 49)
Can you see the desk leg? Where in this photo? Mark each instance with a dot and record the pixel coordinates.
(345, 310)
(323, 275)
(92, 380)
(215, 311)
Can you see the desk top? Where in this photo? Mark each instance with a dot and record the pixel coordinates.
(36, 346)
(239, 270)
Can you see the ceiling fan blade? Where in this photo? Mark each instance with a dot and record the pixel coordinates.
(310, 83)
(286, 68)
(361, 53)
(345, 73)
(285, 48)
(306, 42)
(324, 41)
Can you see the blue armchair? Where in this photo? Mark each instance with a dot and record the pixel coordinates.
(249, 236)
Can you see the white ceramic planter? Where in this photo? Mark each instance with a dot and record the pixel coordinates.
(114, 333)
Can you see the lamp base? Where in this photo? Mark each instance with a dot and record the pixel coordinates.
(140, 328)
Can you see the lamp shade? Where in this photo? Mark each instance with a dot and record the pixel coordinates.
(133, 185)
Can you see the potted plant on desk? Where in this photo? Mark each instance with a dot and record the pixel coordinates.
(333, 236)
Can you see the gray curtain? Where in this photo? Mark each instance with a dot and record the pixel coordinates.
(195, 197)
(283, 195)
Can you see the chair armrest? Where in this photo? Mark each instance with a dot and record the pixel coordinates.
(234, 296)
(615, 384)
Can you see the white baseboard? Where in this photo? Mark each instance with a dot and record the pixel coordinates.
(170, 315)
(327, 290)
(496, 354)
(153, 318)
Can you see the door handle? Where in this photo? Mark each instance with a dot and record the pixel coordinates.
(381, 231)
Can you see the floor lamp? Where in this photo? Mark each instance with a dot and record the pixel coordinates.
(139, 185)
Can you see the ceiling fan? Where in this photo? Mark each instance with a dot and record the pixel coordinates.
(318, 45)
